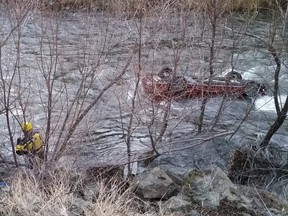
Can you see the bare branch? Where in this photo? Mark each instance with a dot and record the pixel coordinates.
(89, 107)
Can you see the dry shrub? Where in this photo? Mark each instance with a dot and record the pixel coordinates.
(146, 5)
(223, 5)
(54, 192)
(230, 5)
(133, 8)
(29, 197)
(112, 201)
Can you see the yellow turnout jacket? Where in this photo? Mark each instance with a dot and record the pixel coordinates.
(31, 145)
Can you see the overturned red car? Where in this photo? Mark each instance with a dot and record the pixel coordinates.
(165, 86)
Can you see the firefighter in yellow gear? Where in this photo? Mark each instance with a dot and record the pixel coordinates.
(31, 145)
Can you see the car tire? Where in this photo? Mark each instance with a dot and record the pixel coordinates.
(251, 88)
(233, 76)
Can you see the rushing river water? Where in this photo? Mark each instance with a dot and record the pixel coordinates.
(97, 46)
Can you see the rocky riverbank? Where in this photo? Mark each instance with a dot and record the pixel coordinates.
(106, 191)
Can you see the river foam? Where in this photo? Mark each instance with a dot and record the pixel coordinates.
(266, 103)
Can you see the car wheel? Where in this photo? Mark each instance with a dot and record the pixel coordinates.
(165, 73)
(233, 76)
(252, 88)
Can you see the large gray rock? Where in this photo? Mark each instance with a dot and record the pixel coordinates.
(155, 184)
(193, 213)
(209, 187)
(213, 191)
(175, 204)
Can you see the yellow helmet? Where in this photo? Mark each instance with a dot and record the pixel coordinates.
(26, 126)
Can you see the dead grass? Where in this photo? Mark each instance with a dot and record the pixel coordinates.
(147, 5)
(112, 202)
(28, 196)
(52, 194)
(232, 5)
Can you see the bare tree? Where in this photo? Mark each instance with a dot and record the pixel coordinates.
(279, 14)
(18, 13)
(213, 11)
(63, 112)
